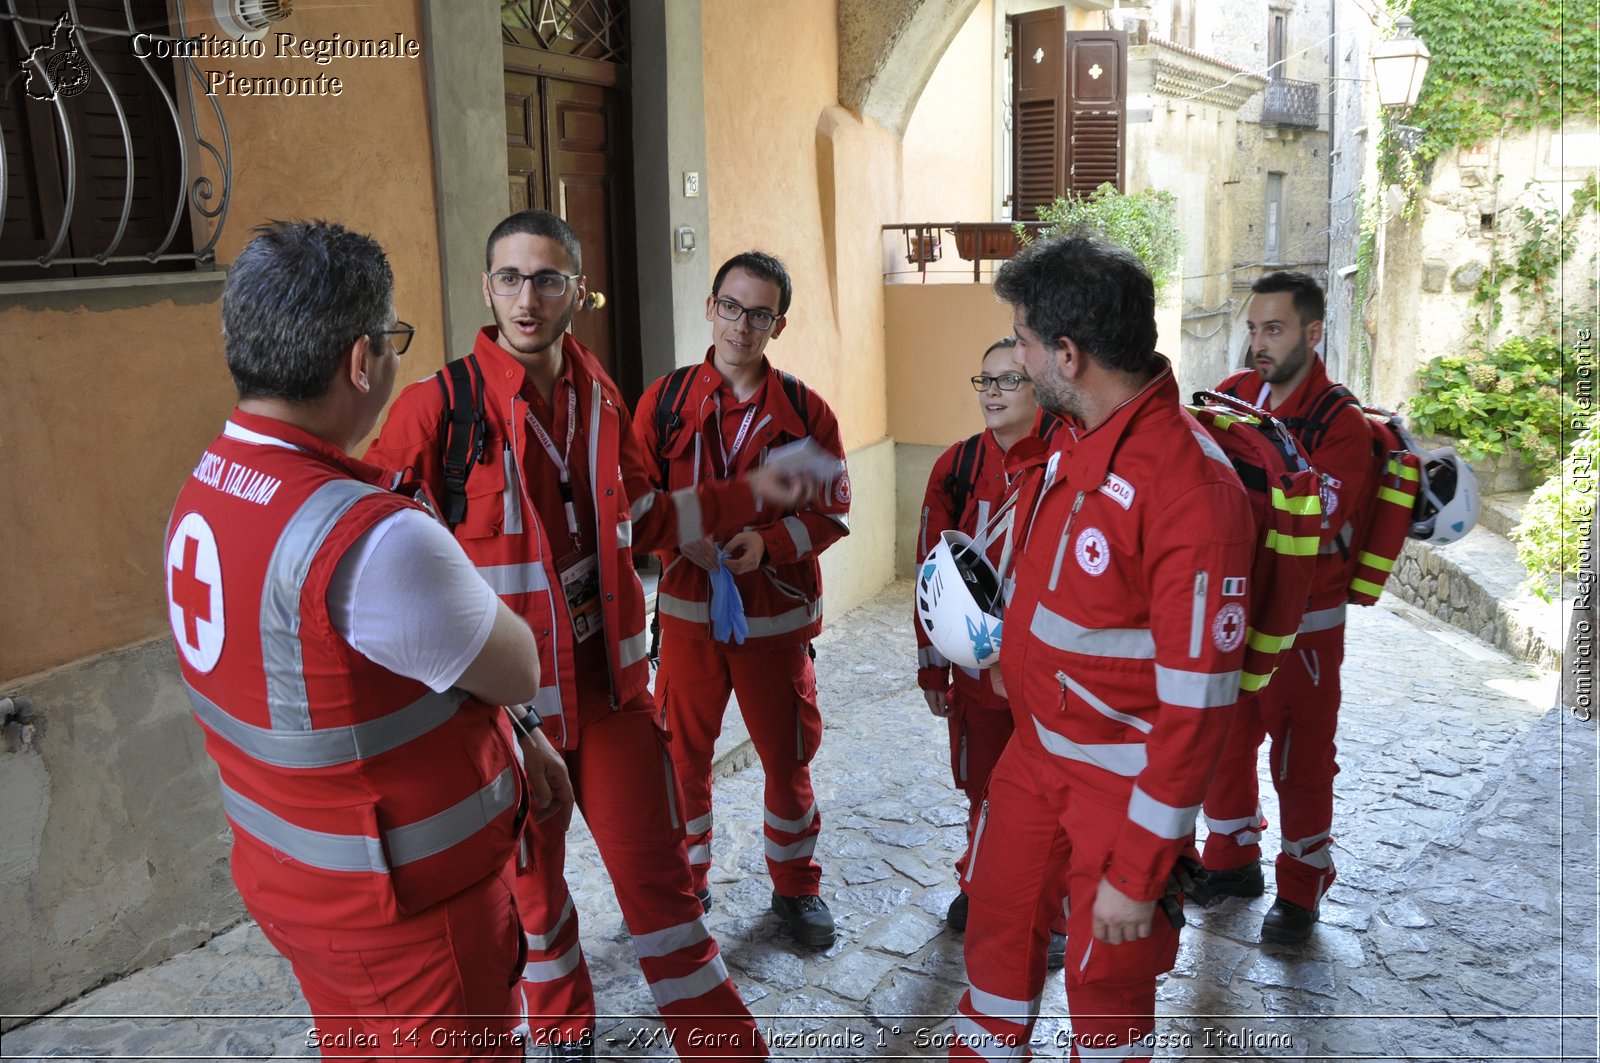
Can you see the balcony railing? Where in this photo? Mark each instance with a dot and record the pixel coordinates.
(975, 242)
(1291, 103)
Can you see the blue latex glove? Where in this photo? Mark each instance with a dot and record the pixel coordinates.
(727, 608)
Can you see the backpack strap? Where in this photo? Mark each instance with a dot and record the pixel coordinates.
(1312, 427)
(963, 477)
(669, 412)
(796, 393)
(463, 430)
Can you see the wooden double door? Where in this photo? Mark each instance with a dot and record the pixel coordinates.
(569, 151)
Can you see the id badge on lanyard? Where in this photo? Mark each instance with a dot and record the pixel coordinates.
(564, 477)
(580, 585)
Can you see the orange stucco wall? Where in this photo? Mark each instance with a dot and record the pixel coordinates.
(790, 172)
(108, 399)
(949, 143)
(937, 336)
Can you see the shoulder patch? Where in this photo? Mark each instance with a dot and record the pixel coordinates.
(194, 593)
(1227, 629)
(1092, 550)
(1118, 490)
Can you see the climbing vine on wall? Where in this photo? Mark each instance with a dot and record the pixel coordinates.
(1503, 65)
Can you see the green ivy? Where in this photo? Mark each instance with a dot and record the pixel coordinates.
(1143, 222)
(1544, 241)
(1555, 522)
(1503, 65)
(1515, 397)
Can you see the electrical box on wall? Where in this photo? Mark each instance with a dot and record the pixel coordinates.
(684, 240)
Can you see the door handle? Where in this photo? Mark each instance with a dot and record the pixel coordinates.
(594, 301)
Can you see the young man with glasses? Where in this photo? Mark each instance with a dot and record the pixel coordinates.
(556, 500)
(349, 669)
(968, 485)
(701, 424)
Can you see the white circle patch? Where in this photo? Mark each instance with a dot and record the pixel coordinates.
(1330, 500)
(1227, 628)
(1094, 553)
(194, 593)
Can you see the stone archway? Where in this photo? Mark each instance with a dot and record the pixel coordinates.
(888, 50)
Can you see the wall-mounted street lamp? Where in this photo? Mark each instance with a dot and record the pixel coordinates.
(1398, 66)
(249, 18)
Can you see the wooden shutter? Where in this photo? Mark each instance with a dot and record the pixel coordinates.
(1037, 39)
(1097, 111)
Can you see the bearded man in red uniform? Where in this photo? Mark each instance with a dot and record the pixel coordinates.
(1124, 636)
(1299, 709)
(557, 500)
(722, 418)
(348, 667)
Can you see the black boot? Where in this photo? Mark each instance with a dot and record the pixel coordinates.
(1287, 923)
(807, 917)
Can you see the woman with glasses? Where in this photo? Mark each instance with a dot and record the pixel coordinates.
(969, 484)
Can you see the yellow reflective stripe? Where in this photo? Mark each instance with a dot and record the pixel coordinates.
(1399, 498)
(1293, 545)
(1382, 564)
(1305, 506)
(1268, 643)
(1362, 586)
(1404, 471)
(1249, 682)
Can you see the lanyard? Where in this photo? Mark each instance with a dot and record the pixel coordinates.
(738, 440)
(560, 460)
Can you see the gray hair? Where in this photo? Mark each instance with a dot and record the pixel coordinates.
(295, 299)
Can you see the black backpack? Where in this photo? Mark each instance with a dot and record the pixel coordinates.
(462, 430)
(675, 392)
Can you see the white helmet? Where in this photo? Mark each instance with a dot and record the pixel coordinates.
(1447, 506)
(958, 602)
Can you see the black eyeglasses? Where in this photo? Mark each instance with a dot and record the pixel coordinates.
(548, 284)
(760, 320)
(404, 332)
(1007, 381)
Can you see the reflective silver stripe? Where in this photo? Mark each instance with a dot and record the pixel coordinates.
(632, 649)
(625, 534)
(1322, 858)
(998, 1007)
(314, 848)
(547, 703)
(985, 1044)
(328, 746)
(800, 850)
(1120, 758)
(1212, 449)
(641, 505)
(671, 990)
(1197, 690)
(511, 497)
(691, 522)
(792, 826)
(1101, 707)
(297, 547)
(666, 942)
(798, 532)
(1322, 619)
(841, 519)
(683, 609)
(542, 942)
(1129, 643)
(427, 837)
(524, 578)
(783, 623)
(555, 970)
(1230, 826)
(699, 854)
(699, 824)
(1297, 849)
(1159, 818)
(930, 657)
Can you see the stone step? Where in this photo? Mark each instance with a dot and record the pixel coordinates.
(1502, 512)
(1476, 584)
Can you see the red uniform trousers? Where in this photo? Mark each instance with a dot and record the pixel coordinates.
(635, 816)
(1045, 835)
(1299, 710)
(438, 984)
(777, 691)
(978, 736)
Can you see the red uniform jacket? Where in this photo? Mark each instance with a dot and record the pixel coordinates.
(502, 534)
(1344, 457)
(783, 595)
(357, 796)
(990, 487)
(1126, 628)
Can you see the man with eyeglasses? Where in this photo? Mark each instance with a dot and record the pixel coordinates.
(349, 669)
(701, 424)
(969, 484)
(557, 498)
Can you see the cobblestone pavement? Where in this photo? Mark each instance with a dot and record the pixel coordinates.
(1462, 927)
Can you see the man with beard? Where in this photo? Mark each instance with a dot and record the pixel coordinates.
(1124, 638)
(557, 498)
(1299, 709)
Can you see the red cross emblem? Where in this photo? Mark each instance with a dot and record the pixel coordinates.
(1228, 627)
(1094, 553)
(194, 592)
